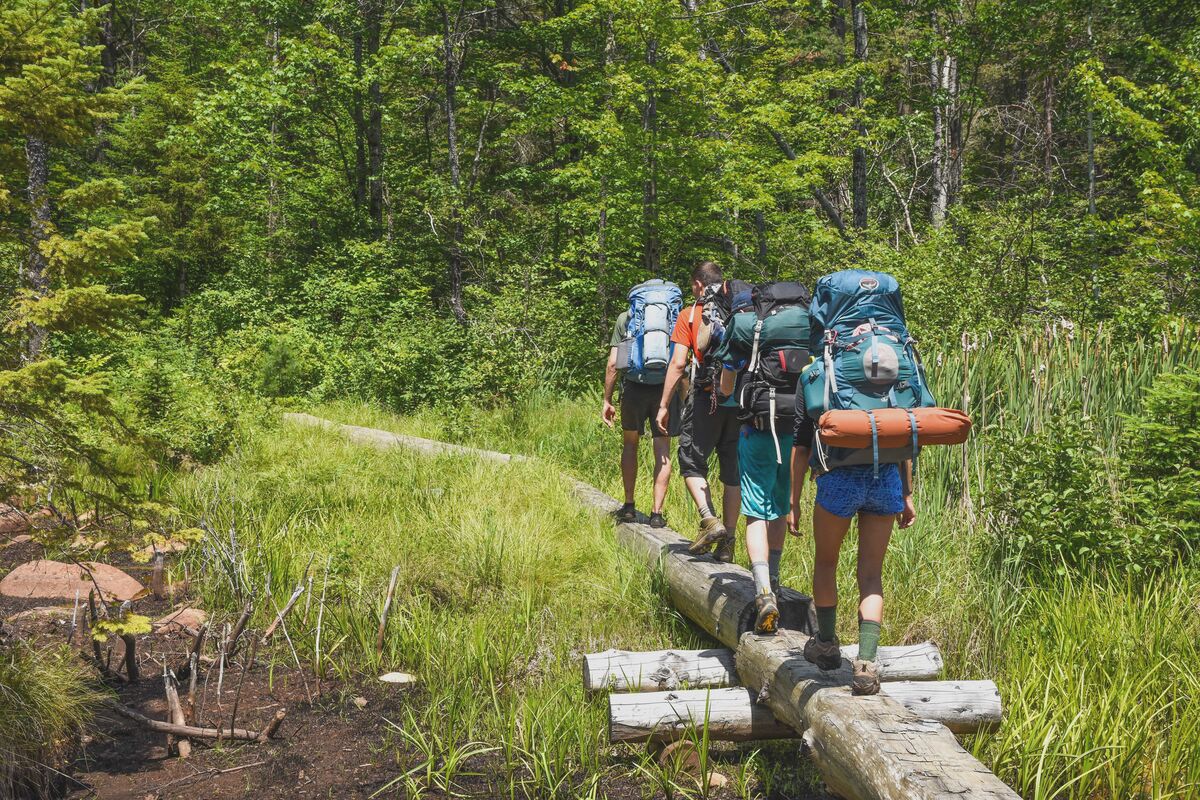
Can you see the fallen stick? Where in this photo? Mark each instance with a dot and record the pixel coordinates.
(197, 645)
(272, 726)
(231, 641)
(191, 701)
(270, 631)
(191, 731)
(175, 709)
(237, 698)
(387, 605)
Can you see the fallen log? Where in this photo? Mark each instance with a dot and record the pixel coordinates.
(667, 670)
(871, 748)
(733, 714)
(191, 731)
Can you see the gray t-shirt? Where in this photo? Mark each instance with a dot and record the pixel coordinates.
(618, 340)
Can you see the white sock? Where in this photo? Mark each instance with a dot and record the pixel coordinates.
(762, 577)
(773, 559)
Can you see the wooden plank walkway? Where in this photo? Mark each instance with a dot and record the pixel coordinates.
(865, 747)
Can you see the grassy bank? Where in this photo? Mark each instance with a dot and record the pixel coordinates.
(1097, 668)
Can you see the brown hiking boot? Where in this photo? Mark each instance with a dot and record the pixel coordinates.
(766, 618)
(725, 549)
(826, 655)
(866, 678)
(711, 532)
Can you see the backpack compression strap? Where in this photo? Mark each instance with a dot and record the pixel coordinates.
(754, 347)
(874, 442)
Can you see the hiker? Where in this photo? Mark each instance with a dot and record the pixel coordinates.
(640, 349)
(865, 362)
(762, 353)
(708, 425)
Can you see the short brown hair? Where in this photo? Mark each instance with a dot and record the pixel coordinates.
(707, 272)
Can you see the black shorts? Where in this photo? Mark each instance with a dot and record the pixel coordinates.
(704, 432)
(639, 403)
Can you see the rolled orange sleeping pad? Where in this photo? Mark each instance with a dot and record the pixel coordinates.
(894, 425)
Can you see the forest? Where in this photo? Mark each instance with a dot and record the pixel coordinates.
(424, 216)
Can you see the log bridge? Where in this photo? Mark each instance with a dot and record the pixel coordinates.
(897, 745)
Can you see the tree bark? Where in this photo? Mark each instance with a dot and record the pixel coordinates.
(452, 66)
(665, 670)
(859, 170)
(650, 241)
(36, 277)
(371, 15)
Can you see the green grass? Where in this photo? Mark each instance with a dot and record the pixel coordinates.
(505, 581)
(46, 699)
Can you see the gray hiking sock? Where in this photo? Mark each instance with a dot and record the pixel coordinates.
(762, 577)
(773, 559)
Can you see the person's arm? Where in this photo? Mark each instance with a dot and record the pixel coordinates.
(728, 380)
(799, 473)
(909, 515)
(608, 411)
(675, 371)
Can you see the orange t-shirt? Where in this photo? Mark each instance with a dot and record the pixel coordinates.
(687, 325)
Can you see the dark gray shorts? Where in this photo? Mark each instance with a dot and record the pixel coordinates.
(704, 432)
(639, 404)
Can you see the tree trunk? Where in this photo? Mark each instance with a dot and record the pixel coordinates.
(1048, 130)
(356, 114)
(35, 277)
(859, 172)
(454, 256)
(662, 670)
(371, 14)
(733, 715)
(937, 210)
(650, 242)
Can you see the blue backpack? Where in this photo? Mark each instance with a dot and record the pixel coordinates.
(653, 308)
(864, 358)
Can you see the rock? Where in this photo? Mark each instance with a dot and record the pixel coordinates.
(399, 678)
(680, 756)
(361, 702)
(184, 620)
(716, 780)
(55, 580)
(43, 611)
(20, 538)
(12, 521)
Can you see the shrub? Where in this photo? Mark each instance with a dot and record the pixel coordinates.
(1050, 500)
(1161, 458)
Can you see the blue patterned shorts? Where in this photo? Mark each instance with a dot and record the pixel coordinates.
(845, 491)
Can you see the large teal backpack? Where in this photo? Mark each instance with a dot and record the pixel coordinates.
(865, 358)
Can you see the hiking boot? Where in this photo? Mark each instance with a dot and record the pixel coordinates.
(626, 513)
(712, 531)
(866, 678)
(725, 548)
(826, 655)
(766, 617)
(657, 520)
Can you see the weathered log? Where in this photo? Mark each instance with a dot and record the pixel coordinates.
(190, 731)
(666, 670)
(731, 714)
(865, 747)
(387, 439)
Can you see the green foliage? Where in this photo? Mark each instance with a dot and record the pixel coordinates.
(46, 698)
(1053, 505)
(1161, 459)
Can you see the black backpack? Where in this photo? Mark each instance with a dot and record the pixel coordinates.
(718, 302)
(767, 388)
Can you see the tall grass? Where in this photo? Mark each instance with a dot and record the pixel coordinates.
(504, 582)
(1098, 672)
(46, 699)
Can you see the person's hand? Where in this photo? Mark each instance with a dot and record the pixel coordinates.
(909, 515)
(794, 521)
(661, 417)
(608, 413)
